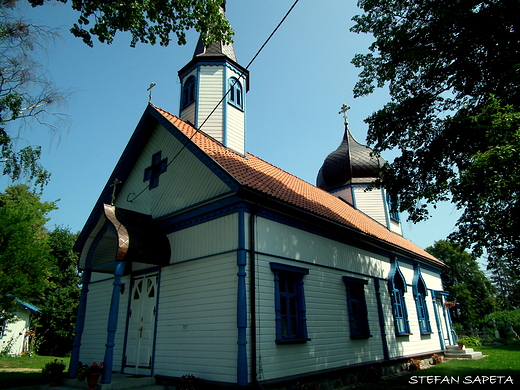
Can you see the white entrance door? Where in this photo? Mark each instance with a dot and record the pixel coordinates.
(141, 325)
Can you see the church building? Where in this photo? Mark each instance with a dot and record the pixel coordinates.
(200, 258)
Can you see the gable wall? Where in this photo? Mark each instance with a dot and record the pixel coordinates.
(325, 295)
(187, 181)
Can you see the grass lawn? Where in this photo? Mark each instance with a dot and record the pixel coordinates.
(502, 363)
(24, 371)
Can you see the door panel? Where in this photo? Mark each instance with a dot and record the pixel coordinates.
(141, 325)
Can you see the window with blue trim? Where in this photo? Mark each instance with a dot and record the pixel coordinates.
(393, 214)
(290, 312)
(188, 92)
(357, 308)
(235, 93)
(397, 287)
(420, 292)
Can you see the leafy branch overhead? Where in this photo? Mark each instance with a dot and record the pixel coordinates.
(152, 21)
(452, 69)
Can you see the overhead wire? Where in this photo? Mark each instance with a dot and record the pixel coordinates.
(241, 76)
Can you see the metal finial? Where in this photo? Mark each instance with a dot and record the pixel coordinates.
(150, 89)
(344, 109)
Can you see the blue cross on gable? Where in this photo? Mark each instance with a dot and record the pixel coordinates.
(155, 170)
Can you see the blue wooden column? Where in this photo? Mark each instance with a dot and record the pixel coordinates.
(119, 267)
(242, 372)
(80, 323)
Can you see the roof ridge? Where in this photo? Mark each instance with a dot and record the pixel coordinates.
(259, 175)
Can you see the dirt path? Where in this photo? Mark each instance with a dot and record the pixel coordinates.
(2, 369)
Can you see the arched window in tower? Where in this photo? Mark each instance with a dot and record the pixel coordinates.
(235, 93)
(188, 92)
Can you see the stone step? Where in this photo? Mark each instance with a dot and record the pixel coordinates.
(453, 351)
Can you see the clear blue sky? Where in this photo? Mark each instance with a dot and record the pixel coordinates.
(298, 84)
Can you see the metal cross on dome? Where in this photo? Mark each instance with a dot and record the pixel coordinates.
(344, 109)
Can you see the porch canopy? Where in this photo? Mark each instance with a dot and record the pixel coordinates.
(124, 235)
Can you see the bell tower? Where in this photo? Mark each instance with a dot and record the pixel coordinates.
(213, 94)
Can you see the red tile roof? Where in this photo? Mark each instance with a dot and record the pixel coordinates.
(259, 175)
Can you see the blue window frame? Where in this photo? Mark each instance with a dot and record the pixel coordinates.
(290, 312)
(235, 93)
(357, 308)
(188, 92)
(420, 293)
(394, 215)
(397, 288)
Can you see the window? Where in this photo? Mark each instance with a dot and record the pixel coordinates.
(235, 93)
(393, 215)
(290, 316)
(420, 292)
(397, 288)
(188, 92)
(357, 308)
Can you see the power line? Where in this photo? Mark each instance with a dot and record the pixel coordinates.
(227, 93)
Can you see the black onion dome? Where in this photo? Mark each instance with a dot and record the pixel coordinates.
(350, 161)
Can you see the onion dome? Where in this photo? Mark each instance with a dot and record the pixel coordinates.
(350, 163)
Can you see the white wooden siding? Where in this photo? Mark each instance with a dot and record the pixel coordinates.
(197, 331)
(371, 203)
(96, 320)
(210, 94)
(327, 324)
(396, 227)
(282, 240)
(327, 314)
(235, 129)
(187, 180)
(215, 236)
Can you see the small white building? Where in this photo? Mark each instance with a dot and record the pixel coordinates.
(199, 258)
(13, 333)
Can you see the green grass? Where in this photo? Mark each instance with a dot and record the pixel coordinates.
(21, 378)
(502, 361)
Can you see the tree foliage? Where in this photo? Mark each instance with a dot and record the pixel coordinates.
(26, 93)
(466, 284)
(60, 298)
(148, 21)
(453, 72)
(38, 266)
(24, 246)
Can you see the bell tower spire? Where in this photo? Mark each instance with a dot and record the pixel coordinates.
(213, 93)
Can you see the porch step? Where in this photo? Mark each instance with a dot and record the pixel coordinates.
(119, 382)
(454, 352)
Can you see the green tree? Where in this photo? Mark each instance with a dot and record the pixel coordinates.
(60, 298)
(466, 284)
(24, 246)
(148, 21)
(26, 94)
(452, 68)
